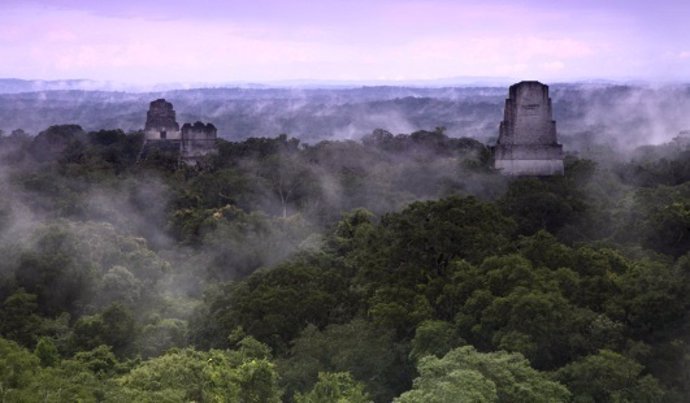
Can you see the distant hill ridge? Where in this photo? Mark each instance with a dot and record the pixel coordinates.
(587, 113)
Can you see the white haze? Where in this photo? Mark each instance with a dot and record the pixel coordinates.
(622, 116)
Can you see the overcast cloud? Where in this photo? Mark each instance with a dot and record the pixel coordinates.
(267, 40)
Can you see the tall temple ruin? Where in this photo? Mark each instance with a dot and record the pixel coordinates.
(160, 121)
(162, 133)
(198, 140)
(527, 143)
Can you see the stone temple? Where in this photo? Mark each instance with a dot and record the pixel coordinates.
(162, 134)
(527, 143)
(198, 140)
(160, 122)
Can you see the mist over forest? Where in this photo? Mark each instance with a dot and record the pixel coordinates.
(623, 116)
(344, 244)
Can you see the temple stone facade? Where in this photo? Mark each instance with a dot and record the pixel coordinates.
(162, 134)
(198, 140)
(160, 121)
(527, 143)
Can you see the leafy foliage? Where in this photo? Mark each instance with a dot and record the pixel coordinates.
(466, 375)
(399, 265)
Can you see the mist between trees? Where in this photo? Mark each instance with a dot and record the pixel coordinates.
(619, 116)
(395, 267)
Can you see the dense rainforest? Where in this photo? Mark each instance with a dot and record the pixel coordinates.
(395, 268)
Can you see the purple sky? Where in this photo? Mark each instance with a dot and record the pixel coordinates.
(140, 42)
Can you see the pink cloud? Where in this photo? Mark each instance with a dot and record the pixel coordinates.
(406, 39)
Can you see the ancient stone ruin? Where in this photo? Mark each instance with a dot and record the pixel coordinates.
(160, 122)
(527, 143)
(163, 134)
(198, 140)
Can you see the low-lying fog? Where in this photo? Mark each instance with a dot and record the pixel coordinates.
(587, 115)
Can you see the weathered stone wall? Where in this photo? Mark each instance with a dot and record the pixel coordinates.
(528, 152)
(160, 122)
(527, 143)
(163, 135)
(530, 167)
(198, 140)
(527, 117)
